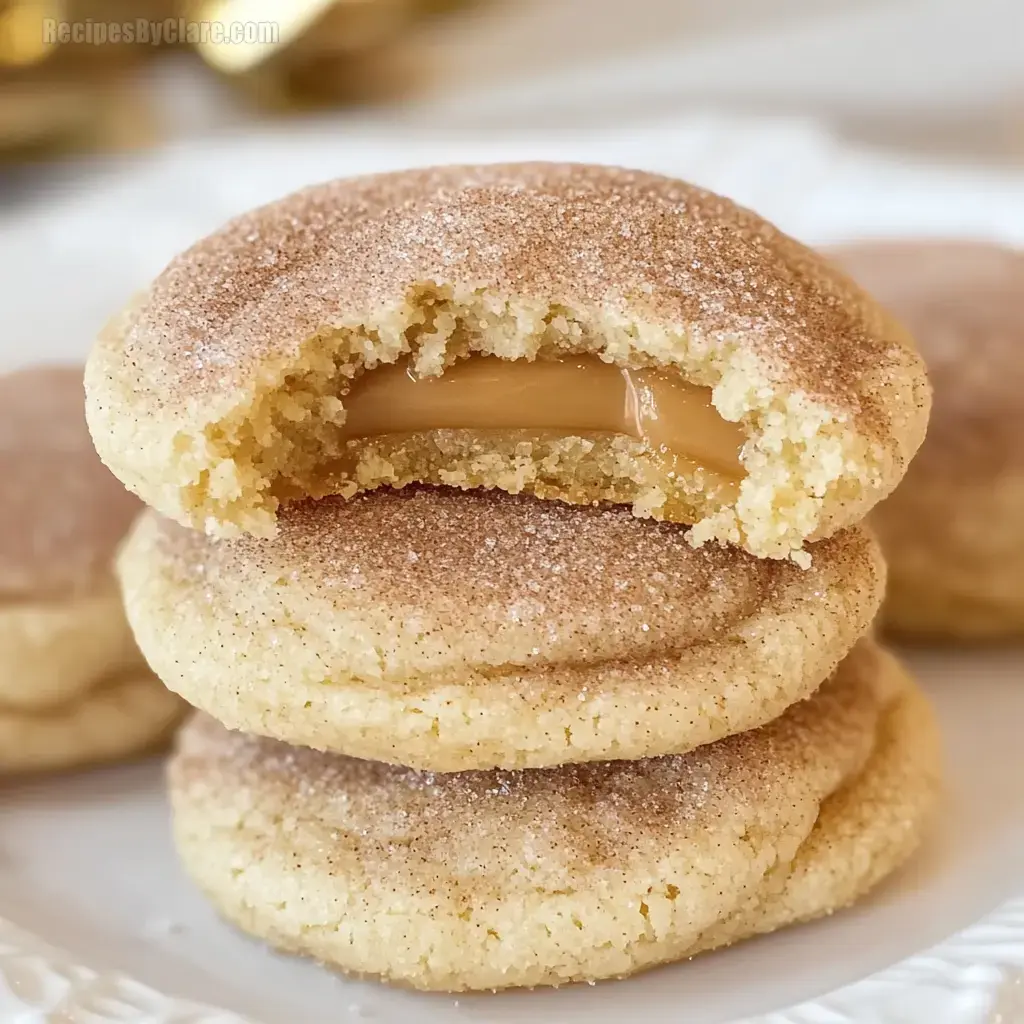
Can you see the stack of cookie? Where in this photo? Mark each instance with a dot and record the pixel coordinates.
(509, 515)
(74, 688)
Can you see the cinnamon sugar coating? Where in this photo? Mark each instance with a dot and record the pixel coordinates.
(667, 251)
(450, 630)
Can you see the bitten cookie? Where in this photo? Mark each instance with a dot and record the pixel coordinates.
(483, 880)
(449, 630)
(578, 332)
(953, 532)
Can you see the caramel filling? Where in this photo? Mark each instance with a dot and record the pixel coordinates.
(579, 395)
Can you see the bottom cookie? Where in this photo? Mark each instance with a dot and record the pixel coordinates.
(481, 880)
(125, 716)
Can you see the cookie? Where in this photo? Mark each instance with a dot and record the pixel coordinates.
(450, 630)
(62, 515)
(583, 333)
(123, 716)
(954, 530)
(482, 880)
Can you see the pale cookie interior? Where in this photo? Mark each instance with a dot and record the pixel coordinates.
(289, 437)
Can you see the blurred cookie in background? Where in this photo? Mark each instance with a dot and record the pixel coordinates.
(124, 717)
(953, 531)
(73, 685)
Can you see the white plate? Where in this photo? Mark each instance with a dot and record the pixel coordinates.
(85, 862)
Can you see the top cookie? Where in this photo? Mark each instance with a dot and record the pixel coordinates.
(62, 514)
(767, 399)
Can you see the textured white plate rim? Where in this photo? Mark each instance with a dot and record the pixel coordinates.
(982, 966)
(790, 171)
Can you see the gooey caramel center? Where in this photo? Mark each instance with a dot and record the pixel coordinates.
(579, 395)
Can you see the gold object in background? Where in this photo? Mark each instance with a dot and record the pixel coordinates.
(52, 115)
(38, 114)
(57, 96)
(30, 31)
(368, 77)
(22, 39)
(294, 30)
(429, 7)
(36, 106)
(310, 51)
(285, 54)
